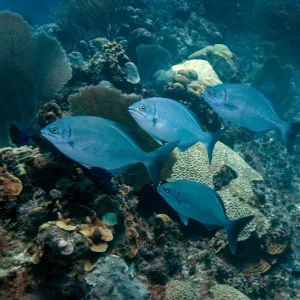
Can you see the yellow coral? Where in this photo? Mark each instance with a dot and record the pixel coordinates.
(226, 292)
(9, 184)
(180, 290)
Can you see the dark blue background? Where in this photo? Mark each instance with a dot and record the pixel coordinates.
(34, 11)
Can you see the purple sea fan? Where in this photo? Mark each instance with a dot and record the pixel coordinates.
(33, 67)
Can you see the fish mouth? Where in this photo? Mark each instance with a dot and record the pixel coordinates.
(135, 112)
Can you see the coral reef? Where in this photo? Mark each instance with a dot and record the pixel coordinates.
(110, 279)
(159, 57)
(35, 67)
(68, 233)
(226, 292)
(220, 58)
(14, 254)
(193, 165)
(180, 290)
(274, 81)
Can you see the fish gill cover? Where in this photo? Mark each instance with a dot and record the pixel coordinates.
(33, 68)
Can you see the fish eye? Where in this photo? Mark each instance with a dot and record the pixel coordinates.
(212, 93)
(53, 129)
(142, 108)
(167, 190)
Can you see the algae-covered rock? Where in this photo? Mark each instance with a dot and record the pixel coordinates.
(110, 280)
(193, 165)
(220, 58)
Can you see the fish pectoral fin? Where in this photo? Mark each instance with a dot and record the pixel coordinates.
(229, 107)
(119, 171)
(156, 139)
(154, 121)
(72, 144)
(86, 166)
(211, 227)
(184, 219)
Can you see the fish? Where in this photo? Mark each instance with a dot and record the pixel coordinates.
(100, 143)
(109, 219)
(195, 200)
(247, 107)
(168, 120)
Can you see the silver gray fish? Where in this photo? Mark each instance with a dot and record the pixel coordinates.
(168, 120)
(247, 107)
(100, 143)
(195, 200)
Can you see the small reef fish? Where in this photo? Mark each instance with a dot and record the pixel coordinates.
(247, 107)
(168, 120)
(99, 143)
(195, 200)
(109, 219)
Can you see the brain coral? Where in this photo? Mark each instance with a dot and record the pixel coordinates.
(226, 292)
(180, 290)
(193, 165)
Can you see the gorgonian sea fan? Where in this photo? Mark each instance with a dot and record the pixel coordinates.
(33, 67)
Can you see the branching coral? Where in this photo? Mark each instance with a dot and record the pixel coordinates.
(97, 17)
(33, 68)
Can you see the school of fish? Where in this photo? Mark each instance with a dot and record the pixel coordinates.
(98, 143)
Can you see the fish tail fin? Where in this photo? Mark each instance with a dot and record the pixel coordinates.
(210, 144)
(233, 230)
(157, 160)
(289, 133)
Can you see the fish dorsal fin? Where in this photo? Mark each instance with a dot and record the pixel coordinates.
(269, 103)
(125, 132)
(156, 139)
(192, 116)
